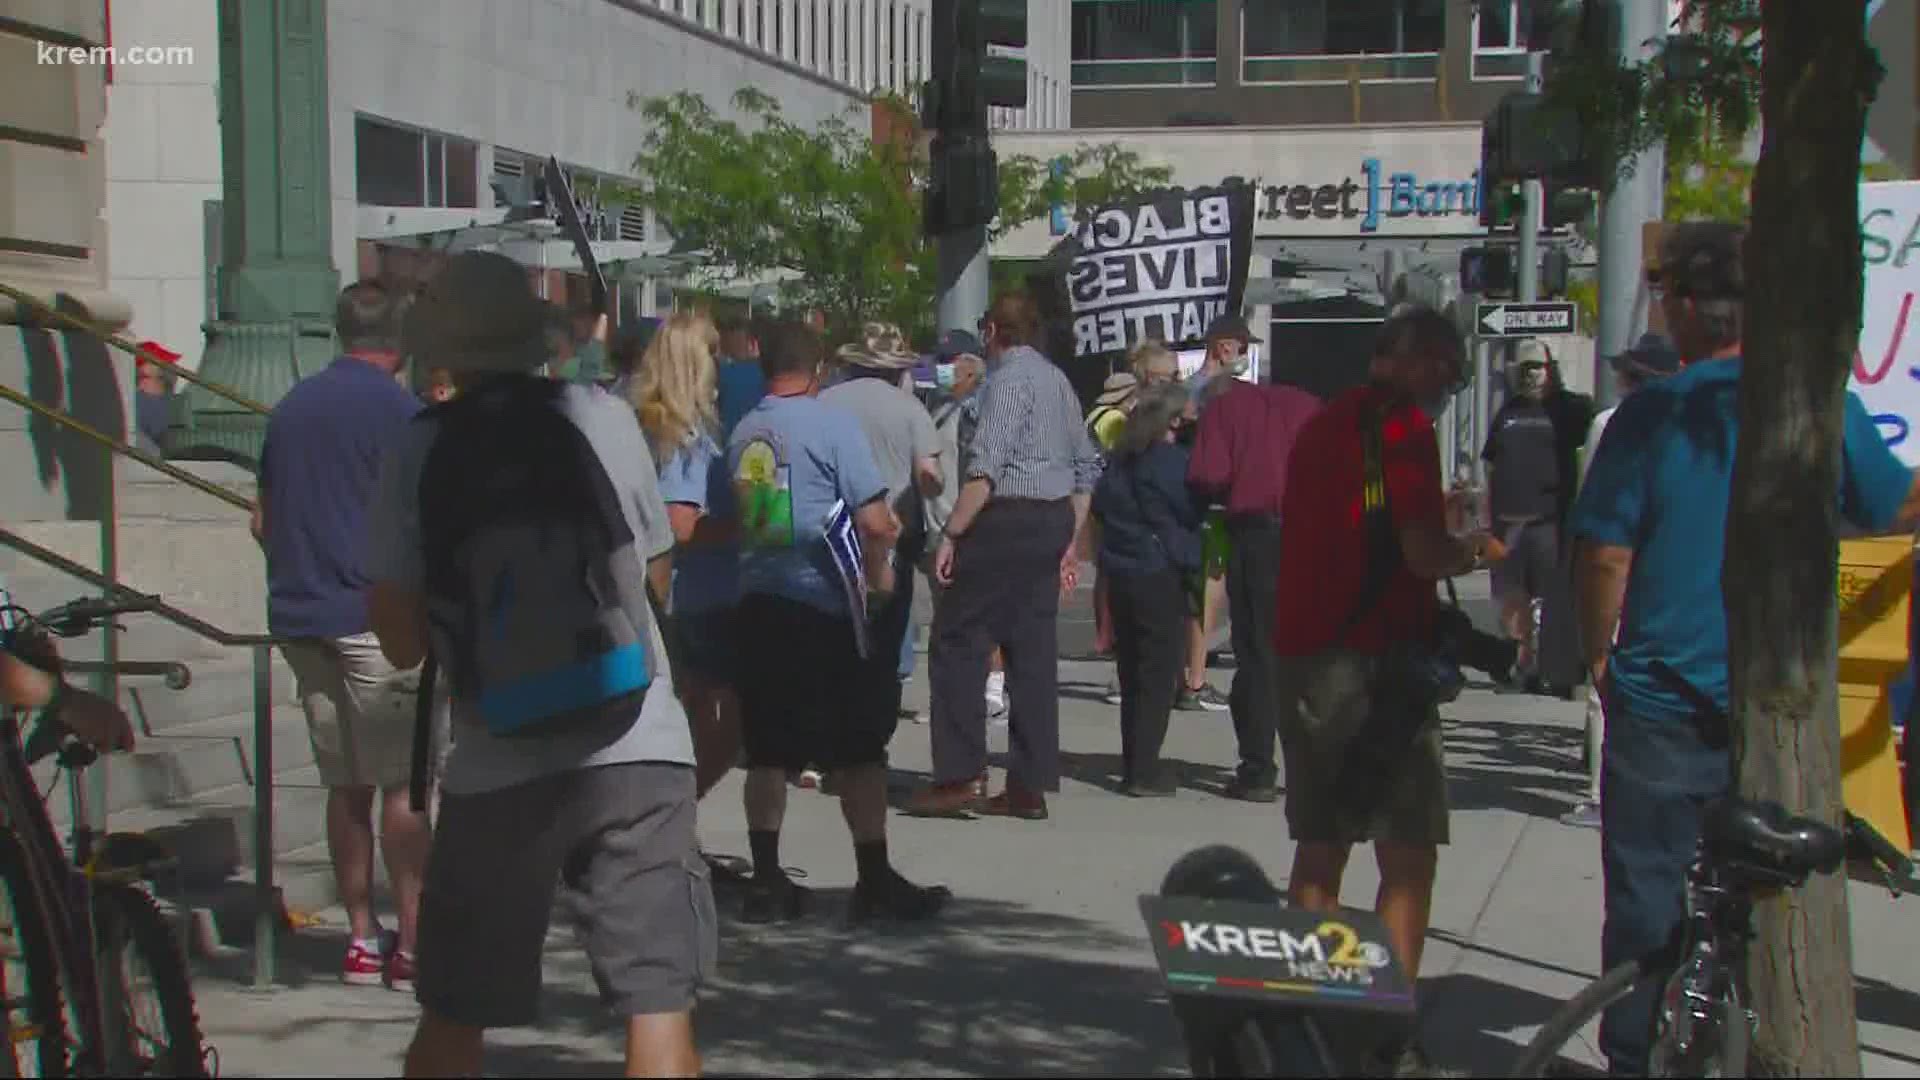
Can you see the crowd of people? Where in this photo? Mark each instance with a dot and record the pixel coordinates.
(638, 563)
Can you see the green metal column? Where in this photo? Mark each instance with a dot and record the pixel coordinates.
(277, 281)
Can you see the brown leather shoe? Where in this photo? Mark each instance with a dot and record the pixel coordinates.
(1015, 803)
(956, 800)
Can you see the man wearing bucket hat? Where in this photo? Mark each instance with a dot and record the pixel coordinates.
(615, 794)
(906, 447)
(1651, 528)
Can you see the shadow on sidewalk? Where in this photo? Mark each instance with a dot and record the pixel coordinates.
(993, 989)
(1527, 769)
(1465, 1020)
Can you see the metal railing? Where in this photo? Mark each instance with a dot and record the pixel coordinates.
(126, 345)
(106, 671)
(267, 907)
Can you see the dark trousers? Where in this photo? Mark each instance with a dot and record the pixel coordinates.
(1650, 819)
(1149, 647)
(1253, 575)
(1005, 592)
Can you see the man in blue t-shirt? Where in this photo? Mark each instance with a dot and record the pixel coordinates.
(318, 471)
(808, 697)
(1651, 524)
(739, 380)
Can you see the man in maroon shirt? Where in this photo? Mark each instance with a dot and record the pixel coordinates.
(1240, 462)
(1331, 628)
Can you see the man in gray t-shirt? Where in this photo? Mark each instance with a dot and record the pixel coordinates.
(906, 447)
(614, 804)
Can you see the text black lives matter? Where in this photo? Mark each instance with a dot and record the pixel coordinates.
(1161, 268)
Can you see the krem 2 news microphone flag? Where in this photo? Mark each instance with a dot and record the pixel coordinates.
(1161, 266)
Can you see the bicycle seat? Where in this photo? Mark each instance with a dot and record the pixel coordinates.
(1762, 836)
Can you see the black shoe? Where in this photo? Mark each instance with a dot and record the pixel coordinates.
(776, 899)
(1152, 789)
(899, 899)
(1254, 791)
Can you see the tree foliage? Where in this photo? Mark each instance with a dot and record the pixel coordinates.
(832, 212)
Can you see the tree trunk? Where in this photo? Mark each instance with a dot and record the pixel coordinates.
(1804, 283)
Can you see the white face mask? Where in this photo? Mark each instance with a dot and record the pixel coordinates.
(944, 375)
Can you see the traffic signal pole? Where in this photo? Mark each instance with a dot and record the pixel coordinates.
(1535, 193)
(1629, 205)
(963, 278)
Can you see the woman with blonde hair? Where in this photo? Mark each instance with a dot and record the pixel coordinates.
(1152, 362)
(675, 396)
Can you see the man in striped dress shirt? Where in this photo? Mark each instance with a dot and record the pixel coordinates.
(1008, 552)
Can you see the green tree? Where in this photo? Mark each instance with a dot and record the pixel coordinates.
(832, 210)
(1806, 72)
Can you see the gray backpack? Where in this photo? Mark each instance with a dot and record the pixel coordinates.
(535, 586)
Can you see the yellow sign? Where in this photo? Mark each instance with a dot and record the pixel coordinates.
(1875, 581)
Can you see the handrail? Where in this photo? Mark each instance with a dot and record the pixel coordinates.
(74, 322)
(113, 589)
(114, 445)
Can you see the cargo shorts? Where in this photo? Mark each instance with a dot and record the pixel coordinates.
(615, 846)
(359, 710)
(1324, 703)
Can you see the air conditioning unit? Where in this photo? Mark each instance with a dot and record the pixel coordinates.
(632, 223)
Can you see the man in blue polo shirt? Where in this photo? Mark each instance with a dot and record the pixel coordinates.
(317, 472)
(1651, 527)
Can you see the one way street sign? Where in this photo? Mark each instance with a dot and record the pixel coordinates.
(1526, 320)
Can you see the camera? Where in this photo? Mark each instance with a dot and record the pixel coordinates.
(1457, 639)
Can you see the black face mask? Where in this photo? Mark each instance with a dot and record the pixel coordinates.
(1184, 434)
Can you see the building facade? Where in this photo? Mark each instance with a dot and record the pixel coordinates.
(442, 112)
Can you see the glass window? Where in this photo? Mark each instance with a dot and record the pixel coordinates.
(1144, 42)
(779, 42)
(892, 70)
(1143, 29)
(829, 68)
(1499, 40)
(860, 40)
(463, 174)
(1344, 27)
(436, 151)
(389, 165)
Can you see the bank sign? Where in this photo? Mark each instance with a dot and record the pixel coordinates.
(1373, 196)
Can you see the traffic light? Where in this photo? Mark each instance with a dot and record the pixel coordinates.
(967, 78)
(963, 187)
(1486, 271)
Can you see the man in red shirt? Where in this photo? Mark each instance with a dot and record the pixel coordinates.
(1240, 463)
(1331, 627)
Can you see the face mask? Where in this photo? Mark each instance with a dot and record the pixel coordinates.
(943, 376)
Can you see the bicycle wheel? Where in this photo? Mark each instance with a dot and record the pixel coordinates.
(1573, 1018)
(152, 1027)
(36, 1024)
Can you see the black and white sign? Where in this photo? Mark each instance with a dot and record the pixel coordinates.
(1161, 267)
(1525, 320)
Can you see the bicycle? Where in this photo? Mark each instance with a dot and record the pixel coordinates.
(1747, 849)
(80, 918)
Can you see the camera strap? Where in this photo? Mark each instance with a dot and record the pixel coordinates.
(1383, 545)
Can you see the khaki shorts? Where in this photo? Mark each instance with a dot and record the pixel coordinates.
(616, 843)
(1323, 702)
(359, 710)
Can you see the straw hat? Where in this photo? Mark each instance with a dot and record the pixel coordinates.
(881, 347)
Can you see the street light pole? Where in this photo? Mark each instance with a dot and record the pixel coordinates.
(1629, 205)
(1535, 193)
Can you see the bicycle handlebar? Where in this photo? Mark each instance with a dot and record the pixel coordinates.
(77, 617)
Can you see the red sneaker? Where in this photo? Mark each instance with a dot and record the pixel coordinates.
(400, 971)
(364, 966)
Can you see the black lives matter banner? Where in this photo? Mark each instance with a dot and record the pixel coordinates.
(1163, 267)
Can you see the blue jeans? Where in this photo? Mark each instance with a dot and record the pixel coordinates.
(1655, 782)
(906, 641)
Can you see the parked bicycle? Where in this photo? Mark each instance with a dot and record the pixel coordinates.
(86, 947)
(1746, 851)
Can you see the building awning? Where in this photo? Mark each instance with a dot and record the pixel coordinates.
(535, 243)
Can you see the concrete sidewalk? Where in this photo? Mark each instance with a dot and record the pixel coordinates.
(1043, 966)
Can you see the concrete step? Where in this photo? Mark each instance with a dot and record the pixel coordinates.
(212, 834)
(146, 493)
(180, 767)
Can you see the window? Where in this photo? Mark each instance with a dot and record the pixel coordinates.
(1499, 40)
(828, 69)
(813, 34)
(1144, 42)
(846, 44)
(861, 60)
(779, 42)
(919, 45)
(1339, 40)
(395, 166)
(760, 23)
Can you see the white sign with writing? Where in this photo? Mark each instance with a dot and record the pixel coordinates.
(1886, 370)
